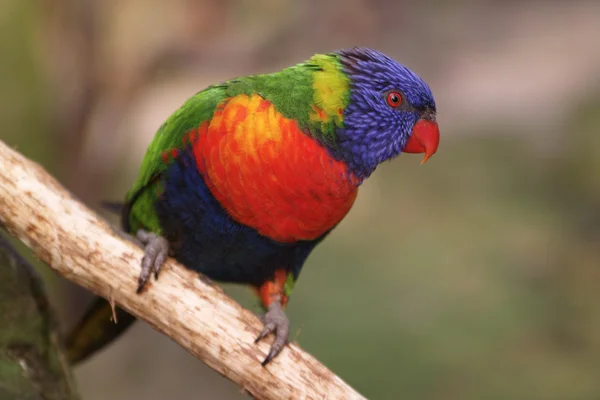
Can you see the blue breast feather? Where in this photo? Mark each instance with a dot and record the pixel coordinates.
(206, 239)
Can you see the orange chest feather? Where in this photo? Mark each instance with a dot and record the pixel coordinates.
(269, 175)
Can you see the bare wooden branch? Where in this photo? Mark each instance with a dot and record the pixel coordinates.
(84, 248)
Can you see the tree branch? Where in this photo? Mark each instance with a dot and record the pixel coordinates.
(32, 365)
(84, 248)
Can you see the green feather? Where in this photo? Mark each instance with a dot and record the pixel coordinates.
(190, 115)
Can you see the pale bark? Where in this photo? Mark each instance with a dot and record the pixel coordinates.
(84, 248)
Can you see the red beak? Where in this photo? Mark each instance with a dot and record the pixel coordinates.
(425, 138)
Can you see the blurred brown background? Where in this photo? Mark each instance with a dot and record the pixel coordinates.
(476, 276)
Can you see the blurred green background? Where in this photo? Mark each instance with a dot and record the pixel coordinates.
(475, 276)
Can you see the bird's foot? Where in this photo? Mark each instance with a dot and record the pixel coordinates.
(155, 254)
(277, 322)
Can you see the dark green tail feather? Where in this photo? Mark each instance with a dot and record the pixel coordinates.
(96, 329)
(114, 206)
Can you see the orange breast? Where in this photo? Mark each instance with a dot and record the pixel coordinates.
(268, 174)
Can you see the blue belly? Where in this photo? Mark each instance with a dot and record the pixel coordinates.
(206, 239)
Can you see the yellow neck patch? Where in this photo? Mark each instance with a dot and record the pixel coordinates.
(331, 92)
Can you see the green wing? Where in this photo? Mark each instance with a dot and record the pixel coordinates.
(139, 209)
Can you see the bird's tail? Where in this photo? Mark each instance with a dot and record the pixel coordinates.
(96, 329)
(98, 326)
(113, 206)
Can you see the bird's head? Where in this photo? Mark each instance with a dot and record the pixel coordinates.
(390, 110)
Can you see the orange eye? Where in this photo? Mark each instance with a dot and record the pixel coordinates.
(394, 99)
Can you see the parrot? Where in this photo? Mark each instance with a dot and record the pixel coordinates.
(249, 175)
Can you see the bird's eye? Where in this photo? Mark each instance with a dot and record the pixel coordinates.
(394, 99)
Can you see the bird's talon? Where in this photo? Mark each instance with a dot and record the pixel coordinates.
(268, 359)
(275, 322)
(155, 255)
(141, 283)
(269, 328)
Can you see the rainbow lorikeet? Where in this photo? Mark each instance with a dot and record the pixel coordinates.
(248, 176)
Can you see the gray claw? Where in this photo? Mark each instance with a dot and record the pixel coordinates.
(155, 255)
(275, 321)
